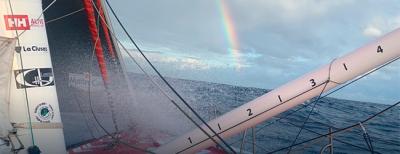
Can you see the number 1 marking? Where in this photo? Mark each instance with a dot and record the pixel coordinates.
(280, 99)
(345, 67)
(219, 127)
(190, 140)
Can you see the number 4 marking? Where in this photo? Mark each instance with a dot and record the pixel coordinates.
(379, 49)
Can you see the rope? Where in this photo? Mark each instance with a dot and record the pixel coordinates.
(302, 107)
(159, 87)
(338, 83)
(167, 83)
(105, 31)
(85, 118)
(338, 140)
(358, 78)
(340, 130)
(316, 102)
(64, 16)
(23, 74)
(367, 138)
(41, 14)
(94, 114)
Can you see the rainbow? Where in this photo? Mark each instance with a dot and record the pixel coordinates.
(230, 33)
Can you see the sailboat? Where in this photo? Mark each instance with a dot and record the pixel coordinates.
(43, 73)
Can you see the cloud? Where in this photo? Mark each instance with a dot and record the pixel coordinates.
(372, 31)
(279, 40)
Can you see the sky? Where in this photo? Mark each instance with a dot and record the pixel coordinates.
(260, 43)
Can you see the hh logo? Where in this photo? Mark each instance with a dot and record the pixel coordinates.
(17, 22)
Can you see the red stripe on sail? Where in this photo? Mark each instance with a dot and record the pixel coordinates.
(105, 29)
(95, 36)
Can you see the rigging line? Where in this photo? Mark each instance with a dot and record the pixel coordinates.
(337, 89)
(85, 118)
(308, 116)
(162, 90)
(338, 140)
(109, 96)
(64, 16)
(94, 114)
(142, 69)
(367, 139)
(23, 74)
(41, 14)
(169, 97)
(306, 92)
(327, 125)
(379, 67)
(256, 115)
(316, 102)
(309, 130)
(342, 129)
(333, 127)
(167, 83)
(285, 117)
(358, 78)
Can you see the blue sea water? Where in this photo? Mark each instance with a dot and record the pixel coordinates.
(384, 130)
(212, 100)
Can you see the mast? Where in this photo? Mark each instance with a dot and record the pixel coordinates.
(283, 98)
(34, 108)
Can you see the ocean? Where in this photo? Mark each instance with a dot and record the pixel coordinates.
(149, 108)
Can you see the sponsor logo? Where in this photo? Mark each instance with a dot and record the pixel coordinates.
(81, 81)
(44, 112)
(21, 22)
(34, 49)
(36, 77)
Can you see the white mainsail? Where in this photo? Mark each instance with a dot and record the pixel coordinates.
(7, 46)
(33, 103)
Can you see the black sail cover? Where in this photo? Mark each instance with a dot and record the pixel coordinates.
(75, 68)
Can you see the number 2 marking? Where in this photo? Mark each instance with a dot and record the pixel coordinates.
(250, 113)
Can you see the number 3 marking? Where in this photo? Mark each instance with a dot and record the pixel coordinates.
(313, 82)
